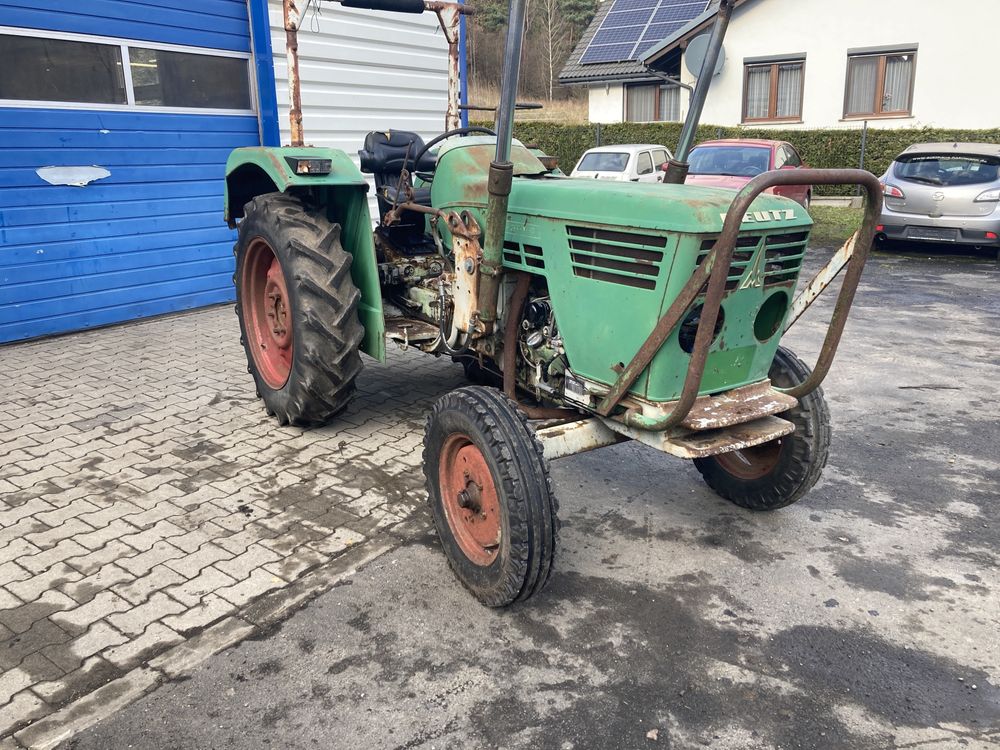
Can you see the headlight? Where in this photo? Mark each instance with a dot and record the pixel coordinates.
(989, 195)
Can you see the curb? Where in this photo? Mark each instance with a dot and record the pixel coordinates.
(255, 618)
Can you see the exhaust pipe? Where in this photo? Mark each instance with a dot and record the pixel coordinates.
(501, 170)
(677, 167)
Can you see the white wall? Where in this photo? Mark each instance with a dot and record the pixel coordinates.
(956, 56)
(360, 71)
(607, 102)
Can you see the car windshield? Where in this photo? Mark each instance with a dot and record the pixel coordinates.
(603, 161)
(942, 169)
(741, 161)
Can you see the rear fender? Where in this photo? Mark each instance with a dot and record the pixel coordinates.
(342, 195)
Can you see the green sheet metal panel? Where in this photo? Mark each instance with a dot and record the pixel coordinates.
(616, 254)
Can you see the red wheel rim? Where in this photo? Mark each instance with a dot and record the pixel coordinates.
(751, 463)
(470, 500)
(266, 313)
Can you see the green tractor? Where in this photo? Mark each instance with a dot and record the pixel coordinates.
(588, 312)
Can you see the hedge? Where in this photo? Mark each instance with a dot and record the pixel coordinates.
(819, 148)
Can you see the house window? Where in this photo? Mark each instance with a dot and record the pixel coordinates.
(879, 85)
(79, 71)
(652, 103)
(773, 91)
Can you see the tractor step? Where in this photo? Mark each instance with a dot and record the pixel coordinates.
(408, 331)
(740, 405)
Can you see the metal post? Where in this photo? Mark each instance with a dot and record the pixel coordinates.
(501, 170)
(292, 19)
(677, 168)
(463, 70)
(449, 15)
(598, 134)
(864, 144)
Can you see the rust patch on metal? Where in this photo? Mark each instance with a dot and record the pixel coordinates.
(737, 406)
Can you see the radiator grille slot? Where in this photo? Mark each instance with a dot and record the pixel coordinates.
(782, 259)
(627, 258)
(746, 248)
(529, 256)
(783, 255)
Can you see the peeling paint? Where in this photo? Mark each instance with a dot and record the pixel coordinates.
(72, 176)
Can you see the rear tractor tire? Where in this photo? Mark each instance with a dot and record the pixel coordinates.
(778, 473)
(298, 310)
(490, 494)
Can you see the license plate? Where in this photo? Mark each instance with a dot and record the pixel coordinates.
(933, 233)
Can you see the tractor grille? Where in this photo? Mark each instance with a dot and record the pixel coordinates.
(782, 259)
(528, 256)
(617, 257)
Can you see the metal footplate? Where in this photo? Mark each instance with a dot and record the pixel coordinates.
(740, 418)
(570, 438)
(737, 406)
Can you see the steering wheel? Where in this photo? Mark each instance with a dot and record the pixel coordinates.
(429, 177)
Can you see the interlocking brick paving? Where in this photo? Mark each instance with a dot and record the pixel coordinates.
(144, 494)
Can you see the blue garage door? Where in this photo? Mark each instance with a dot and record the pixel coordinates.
(116, 118)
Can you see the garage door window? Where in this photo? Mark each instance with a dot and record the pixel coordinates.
(86, 71)
(162, 78)
(61, 70)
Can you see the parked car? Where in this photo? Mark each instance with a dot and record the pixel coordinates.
(733, 162)
(635, 162)
(943, 192)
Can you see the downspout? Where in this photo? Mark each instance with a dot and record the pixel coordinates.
(677, 168)
(501, 172)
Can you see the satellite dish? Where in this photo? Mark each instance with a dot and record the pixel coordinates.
(694, 55)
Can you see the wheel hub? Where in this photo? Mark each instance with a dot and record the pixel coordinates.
(267, 315)
(470, 499)
(751, 463)
(275, 306)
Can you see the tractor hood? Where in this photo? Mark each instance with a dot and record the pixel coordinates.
(460, 182)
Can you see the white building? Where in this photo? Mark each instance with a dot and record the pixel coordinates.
(811, 64)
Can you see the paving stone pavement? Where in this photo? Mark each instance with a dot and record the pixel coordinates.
(144, 494)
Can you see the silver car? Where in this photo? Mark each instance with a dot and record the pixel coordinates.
(943, 192)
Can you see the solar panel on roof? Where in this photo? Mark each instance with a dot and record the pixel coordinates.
(632, 26)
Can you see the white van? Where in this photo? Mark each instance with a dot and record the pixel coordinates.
(633, 162)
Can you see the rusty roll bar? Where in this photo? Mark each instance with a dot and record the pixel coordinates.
(448, 14)
(718, 262)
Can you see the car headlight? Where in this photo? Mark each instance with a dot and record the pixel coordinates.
(989, 196)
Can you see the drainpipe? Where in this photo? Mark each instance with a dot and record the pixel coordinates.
(677, 168)
(501, 169)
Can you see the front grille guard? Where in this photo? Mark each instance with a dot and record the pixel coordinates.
(715, 270)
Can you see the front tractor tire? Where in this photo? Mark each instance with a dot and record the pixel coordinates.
(491, 495)
(298, 310)
(778, 473)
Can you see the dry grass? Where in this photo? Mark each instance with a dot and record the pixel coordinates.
(570, 111)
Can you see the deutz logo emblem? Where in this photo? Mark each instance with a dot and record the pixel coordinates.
(755, 276)
(778, 214)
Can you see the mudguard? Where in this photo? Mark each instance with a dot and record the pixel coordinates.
(342, 192)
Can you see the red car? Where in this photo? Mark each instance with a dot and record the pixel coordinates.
(733, 162)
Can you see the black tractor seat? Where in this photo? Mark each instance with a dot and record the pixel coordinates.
(384, 155)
